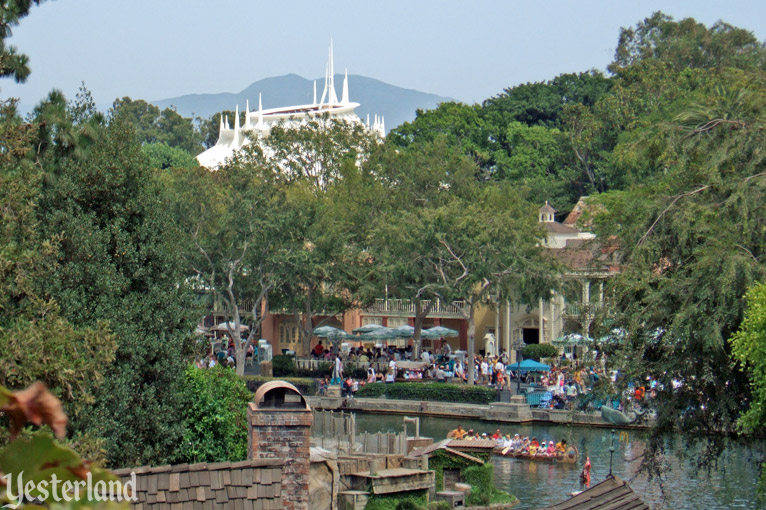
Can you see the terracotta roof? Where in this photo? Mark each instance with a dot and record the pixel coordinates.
(246, 485)
(582, 254)
(611, 494)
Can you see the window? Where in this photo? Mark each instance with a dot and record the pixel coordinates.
(372, 320)
(395, 322)
(288, 333)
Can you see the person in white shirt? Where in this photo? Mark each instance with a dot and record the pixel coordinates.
(484, 369)
(392, 367)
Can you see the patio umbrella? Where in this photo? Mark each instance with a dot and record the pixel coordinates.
(530, 365)
(381, 333)
(405, 331)
(331, 332)
(366, 329)
(615, 336)
(225, 326)
(438, 332)
(573, 339)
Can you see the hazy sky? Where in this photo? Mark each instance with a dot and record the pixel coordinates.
(468, 50)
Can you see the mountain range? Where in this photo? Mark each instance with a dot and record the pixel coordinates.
(396, 104)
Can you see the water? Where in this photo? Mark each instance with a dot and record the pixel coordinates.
(538, 484)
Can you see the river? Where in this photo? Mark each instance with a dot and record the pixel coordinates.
(732, 485)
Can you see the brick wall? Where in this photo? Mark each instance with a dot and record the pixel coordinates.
(284, 434)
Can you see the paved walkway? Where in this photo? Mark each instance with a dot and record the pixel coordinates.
(493, 412)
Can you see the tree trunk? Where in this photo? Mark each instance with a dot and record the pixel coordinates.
(420, 316)
(470, 365)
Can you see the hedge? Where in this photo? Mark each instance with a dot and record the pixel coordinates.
(434, 392)
(539, 351)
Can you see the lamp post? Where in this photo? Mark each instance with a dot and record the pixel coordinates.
(518, 345)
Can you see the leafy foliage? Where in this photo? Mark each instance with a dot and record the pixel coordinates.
(118, 263)
(749, 348)
(215, 416)
(539, 351)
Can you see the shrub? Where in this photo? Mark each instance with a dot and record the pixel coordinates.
(539, 351)
(215, 415)
(283, 365)
(439, 505)
(439, 392)
(412, 500)
(481, 480)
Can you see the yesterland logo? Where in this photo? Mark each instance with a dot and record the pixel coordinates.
(55, 489)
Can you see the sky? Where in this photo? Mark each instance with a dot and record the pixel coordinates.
(467, 50)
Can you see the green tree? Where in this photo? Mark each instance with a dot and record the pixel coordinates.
(323, 264)
(119, 262)
(688, 43)
(154, 126)
(691, 238)
(163, 156)
(12, 63)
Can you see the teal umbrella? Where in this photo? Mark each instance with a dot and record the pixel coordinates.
(530, 365)
(405, 331)
(381, 333)
(366, 329)
(438, 332)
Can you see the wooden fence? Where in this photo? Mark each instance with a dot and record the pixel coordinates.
(333, 429)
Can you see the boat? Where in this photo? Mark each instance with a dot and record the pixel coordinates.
(569, 457)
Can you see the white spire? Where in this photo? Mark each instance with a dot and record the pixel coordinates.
(247, 113)
(226, 122)
(382, 125)
(220, 129)
(315, 92)
(260, 112)
(324, 92)
(368, 120)
(333, 97)
(344, 99)
(236, 120)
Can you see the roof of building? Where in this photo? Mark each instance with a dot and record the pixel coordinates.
(247, 485)
(560, 228)
(611, 494)
(587, 254)
(442, 445)
(547, 208)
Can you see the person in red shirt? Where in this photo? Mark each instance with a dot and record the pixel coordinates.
(497, 435)
(319, 350)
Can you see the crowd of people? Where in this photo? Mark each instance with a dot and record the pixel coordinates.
(516, 443)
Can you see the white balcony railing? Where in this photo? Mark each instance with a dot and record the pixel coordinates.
(408, 307)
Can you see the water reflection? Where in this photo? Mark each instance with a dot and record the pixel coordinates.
(538, 484)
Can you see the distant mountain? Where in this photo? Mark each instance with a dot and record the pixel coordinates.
(396, 104)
